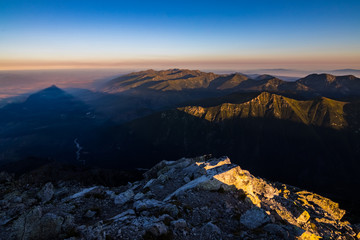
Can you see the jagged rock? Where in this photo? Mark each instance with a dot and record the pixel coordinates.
(139, 196)
(146, 204)
(46, 193)
(254, 218)
(83, 192)
(24, 227)
(90, 214)
(4, 219)
(157, 229)
(192, 198)
(210, 232)
(326, 204)
(179, 224)
(277, 230)
(33, 225)
(5, 177)
(124, 215)
(17, 199)
(124, 197)
(356, 228)
(171, 209)
(187, 179)
(50, 226)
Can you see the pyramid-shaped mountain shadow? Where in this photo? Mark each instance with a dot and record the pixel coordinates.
(50, 103)
(45, 125)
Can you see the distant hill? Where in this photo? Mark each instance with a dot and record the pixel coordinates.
(330, 84)
(347, 71)
(175, 80)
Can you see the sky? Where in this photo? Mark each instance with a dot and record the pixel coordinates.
(243, 34)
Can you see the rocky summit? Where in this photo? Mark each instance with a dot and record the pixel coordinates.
(192, 198)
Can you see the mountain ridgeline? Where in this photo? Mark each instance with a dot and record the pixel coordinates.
(180, 80)
(302, 133)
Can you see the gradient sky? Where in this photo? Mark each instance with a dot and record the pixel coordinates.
(197, 34)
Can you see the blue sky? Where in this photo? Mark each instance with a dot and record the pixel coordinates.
(202, 34)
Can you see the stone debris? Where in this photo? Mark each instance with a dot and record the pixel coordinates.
(124, 197)
(254, 218)
(192, 198)
(46, 193)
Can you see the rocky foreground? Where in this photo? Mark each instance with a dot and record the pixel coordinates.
(197, 198)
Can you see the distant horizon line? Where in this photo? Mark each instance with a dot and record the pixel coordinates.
(181, 68)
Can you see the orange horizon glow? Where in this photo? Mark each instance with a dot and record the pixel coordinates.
(217, 62)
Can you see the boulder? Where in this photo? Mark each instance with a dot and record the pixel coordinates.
(210, 232)
(124, 197)
(89, 214)
(27, 225)
(46, 193)
(179, 224)
(157, 229)
(254, 218)
(146, 204)
(50, 226)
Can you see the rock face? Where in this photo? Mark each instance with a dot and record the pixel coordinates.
(192, 198)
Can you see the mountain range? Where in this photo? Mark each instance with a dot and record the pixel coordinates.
(302, 133)
(180, 80)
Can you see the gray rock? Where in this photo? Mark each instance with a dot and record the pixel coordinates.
(179, 224)
(145, 213)
(124, 215)
(82, 193)
(254, 218)
(50, 226)
(27, 225)
(90, 214)
(276, 230)
(187, 179)
(124, 197)
(68, 222)
(17, 199)
(139, 196)
(4, 219)
(171, 209)
(46, 193)
(157, 229)
(146, 204)
(210, 232)
(33, 225)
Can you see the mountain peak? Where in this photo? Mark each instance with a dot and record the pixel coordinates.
(321, 77)
(52, 92)
(53, 88)
(264, 77)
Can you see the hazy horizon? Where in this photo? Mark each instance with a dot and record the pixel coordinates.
(197, 35)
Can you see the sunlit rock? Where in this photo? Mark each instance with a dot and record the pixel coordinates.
(192, 198)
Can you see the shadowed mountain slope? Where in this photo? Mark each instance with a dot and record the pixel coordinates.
(45, 125)
(304, 143)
